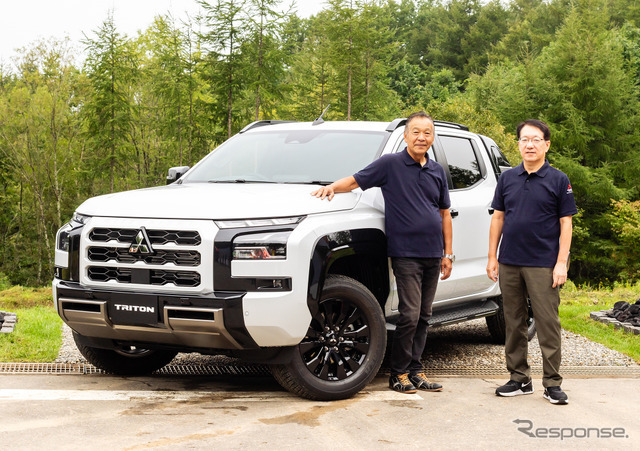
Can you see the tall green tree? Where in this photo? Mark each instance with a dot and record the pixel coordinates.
(531, 26)
(226, 25)
(166, 76)
(38, 143)
(266, 57)
(310, 76)
(456, 35)
(373, 97)
(344, 39)
(112, 69)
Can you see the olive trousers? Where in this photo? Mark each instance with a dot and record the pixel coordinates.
(518, 283)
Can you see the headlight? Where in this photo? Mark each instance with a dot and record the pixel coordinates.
(241, 223)
(80, 218)
(261, 246)
(62, 240)
(67, 234)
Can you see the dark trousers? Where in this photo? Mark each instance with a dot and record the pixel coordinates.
(417, 280)
(515, 283)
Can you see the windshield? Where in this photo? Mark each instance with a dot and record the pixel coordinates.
(300, 156)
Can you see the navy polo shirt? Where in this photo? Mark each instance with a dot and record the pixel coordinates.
(533, 205)
(413, 197)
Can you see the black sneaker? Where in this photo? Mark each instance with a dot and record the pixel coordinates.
(401, 383)
(555, 395)
(421, 382)
(513, 388)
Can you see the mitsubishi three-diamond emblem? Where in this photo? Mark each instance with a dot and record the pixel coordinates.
(141, 243)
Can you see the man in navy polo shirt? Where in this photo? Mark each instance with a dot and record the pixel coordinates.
(419, 240)
(533, 206)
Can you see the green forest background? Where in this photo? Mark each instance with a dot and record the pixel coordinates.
(117, 111)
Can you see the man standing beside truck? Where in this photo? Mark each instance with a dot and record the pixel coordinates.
(534, 206)
(419, 241)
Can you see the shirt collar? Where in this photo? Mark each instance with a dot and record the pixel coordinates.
(540, 172)
(408, 160)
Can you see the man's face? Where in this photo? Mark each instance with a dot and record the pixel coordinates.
(532, 152)
(419, 135)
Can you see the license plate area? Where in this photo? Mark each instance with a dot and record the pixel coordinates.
(134, 310)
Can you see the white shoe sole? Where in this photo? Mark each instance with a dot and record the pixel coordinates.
(516, 393)
(555, 401)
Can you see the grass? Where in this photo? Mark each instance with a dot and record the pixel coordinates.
(577, 304)
(38, 333)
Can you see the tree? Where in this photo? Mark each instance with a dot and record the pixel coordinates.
(373, 97)
(456, 35)
(344, 39)
(226, 22)
(311, 76)
(162, 132)
(531, 26)
(266, 58)
(112, 68)
(38, 142)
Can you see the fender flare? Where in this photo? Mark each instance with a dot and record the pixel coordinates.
(336, 245)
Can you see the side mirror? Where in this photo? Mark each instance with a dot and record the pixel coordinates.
(175, 173)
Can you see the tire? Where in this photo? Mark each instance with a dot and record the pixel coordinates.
(344, 346)
(497, 328)
(126, 361)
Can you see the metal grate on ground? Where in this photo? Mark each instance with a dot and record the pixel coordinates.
(578, 371)
(263, 370)
(169, 370)
(47, 368)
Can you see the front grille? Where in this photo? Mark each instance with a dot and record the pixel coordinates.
(143, 276)
(181, 237)
(161, 257)
(175, 257)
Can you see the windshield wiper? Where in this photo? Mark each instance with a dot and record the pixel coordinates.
(310, 182)
(240, 181)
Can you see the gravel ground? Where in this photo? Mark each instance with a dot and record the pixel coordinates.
(469, 344)
(461, 345)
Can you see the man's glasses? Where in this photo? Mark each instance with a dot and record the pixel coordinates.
(535, 141)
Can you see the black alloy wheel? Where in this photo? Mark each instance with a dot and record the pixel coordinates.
(338, 340)
(344, 345)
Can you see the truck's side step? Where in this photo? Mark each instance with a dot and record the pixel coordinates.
(476, 310)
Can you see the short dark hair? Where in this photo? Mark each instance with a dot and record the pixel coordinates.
(542, 126)
(415, 115)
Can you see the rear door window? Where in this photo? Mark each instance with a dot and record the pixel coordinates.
(464, 165)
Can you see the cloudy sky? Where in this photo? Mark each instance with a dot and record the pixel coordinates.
(23, 22)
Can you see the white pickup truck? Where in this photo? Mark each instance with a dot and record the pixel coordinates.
(234, 256)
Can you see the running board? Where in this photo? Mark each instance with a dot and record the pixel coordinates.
(452, 316)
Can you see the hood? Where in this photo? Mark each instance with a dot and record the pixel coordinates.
(217, 201)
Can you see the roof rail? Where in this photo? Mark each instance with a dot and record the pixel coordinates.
(257, 124)
(400, 122)
(451, 125)
(395, 124)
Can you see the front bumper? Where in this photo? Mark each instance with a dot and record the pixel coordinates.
(214, 321)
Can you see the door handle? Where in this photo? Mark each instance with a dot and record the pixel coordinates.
(454, 212)
(491, 210)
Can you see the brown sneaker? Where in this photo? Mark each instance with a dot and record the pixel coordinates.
(401, 383)
(421, 382)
